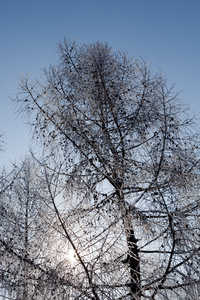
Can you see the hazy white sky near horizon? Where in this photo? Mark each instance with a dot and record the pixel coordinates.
(164, 32)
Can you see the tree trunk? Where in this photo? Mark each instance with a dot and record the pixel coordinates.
(133, 252)
(134, 263)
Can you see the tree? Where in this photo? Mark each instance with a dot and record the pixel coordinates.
(1, 142)
(24, 233)
(128, 177)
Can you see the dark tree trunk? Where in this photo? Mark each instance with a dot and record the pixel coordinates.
(133, 251)
(134, 263)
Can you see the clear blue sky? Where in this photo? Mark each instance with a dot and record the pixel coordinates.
(166, 32)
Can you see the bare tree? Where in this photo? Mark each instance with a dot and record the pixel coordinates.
(24, 233)
(2, 143)
(128, 204)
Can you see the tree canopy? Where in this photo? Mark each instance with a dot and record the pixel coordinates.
(120, 176)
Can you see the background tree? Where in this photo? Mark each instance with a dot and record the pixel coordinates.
(25, 234)
(130, 173)
(2, 142)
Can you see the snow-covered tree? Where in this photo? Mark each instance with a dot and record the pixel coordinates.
(24, 233)
(127, 172)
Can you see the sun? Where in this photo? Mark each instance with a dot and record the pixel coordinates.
(71, 255)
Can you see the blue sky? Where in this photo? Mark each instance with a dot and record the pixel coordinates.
(166, 32)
